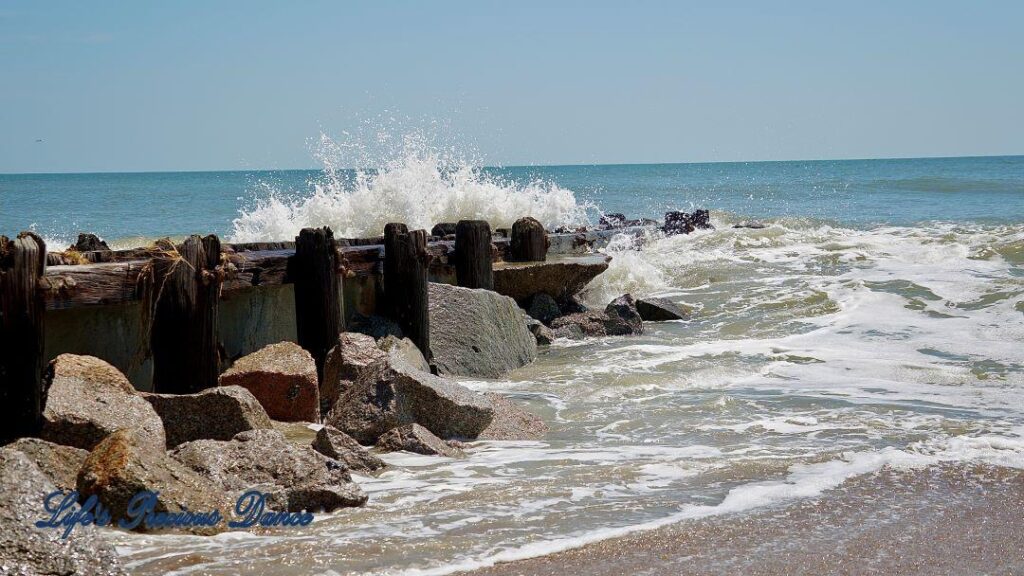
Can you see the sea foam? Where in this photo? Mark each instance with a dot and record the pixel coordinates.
(419, 183)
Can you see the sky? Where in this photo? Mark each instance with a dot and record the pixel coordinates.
(197, 85)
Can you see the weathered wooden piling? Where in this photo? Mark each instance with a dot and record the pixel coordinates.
(406, 263)
(22, 264)
(185, 331)
(473, 254)
(314, 271)
(529, 241)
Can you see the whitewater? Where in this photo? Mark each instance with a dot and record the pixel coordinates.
(825, 346)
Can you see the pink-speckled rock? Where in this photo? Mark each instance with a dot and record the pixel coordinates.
(283, 378)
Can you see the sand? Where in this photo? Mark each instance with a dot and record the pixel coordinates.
(943, 520)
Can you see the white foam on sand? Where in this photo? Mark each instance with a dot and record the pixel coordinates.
(803, 481)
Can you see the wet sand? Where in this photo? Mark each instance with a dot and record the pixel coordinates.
(949, 520)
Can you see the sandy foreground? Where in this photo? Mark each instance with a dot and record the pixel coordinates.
(943, 520)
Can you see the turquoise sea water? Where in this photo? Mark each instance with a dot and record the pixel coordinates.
(850, 192)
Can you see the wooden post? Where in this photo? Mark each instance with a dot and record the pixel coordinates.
(185, 332)
(529, 240)
(22, 263)
(473, 259)
(406, 262)
(314, 271)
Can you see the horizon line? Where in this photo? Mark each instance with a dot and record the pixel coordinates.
(501, 166)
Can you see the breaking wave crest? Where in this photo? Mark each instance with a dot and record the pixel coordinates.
(420, 184)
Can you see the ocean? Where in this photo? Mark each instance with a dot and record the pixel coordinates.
(875, 322)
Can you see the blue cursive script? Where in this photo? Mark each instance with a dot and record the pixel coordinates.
(66, 513)
(251, 507)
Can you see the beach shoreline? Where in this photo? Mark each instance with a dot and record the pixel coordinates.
(940, 520)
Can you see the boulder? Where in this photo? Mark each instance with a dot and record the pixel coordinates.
(416, 438)
(26, 549)
(300, 434)
(59, 463)
(559, 279)
(510, 422)
(354, 356)
(701, 219)
(335, 444)
(213, 414)
(572, 305)
(569, 332)
(375, 326)
(403, 395)
(123, 465)
(683, 223)
(89, 243)
(619, 318)
(542, 333)
(678, 223)
(661, 309)
(295, 478)
(403, 350)
(543, 307)
(586, 323)
(87, 399)
(477, 332)
(443, 229)
(283, 378)
(623, 318)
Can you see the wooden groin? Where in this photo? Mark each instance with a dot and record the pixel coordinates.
(175, 315)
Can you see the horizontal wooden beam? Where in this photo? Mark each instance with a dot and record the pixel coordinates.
(113, 278)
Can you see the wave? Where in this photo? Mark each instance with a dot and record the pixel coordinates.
(421, 185)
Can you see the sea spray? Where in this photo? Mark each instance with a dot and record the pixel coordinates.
(421, 185)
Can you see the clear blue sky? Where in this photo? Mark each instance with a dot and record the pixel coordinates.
(126, 86)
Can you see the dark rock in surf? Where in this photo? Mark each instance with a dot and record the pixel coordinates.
(590, 323)
(623, 317)
(26, 549)
(619, 318)
(543, 307)
(90, 243)
(677, 222)
(572, 305)
(662, 309)
(701, 219)
(542, 333)
(417, 439)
